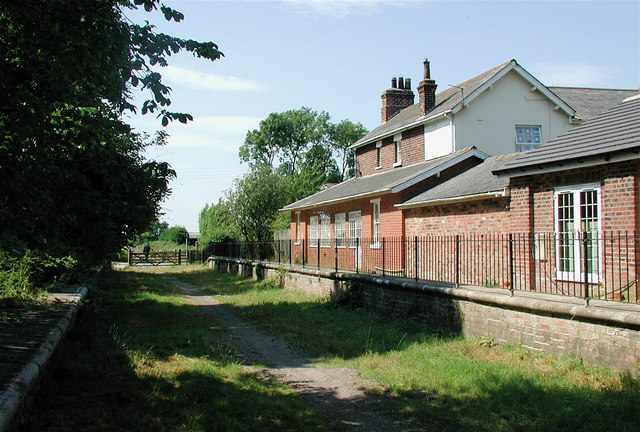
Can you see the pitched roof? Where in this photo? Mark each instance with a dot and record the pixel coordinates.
(451, 99)
(477, 182)
(614, 135)
(591, 102)
(394, 180)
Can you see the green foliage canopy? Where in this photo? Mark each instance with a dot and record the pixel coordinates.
(176, 234)
(73, 180)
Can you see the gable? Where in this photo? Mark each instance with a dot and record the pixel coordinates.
(452, 99)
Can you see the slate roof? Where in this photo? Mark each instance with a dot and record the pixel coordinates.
(476, 181)
(445, 101)
(393, 180)
(591, 102)
(609, 135)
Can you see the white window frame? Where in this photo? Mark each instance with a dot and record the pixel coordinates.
(340, 229)
(298, 234)
(568, 245)
(325, 230)
(313, 231)
(355, 228)
(375, 223)
(528, 137)
(398, 151)
(378, 154)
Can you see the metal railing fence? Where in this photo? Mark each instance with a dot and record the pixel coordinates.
(591, 265)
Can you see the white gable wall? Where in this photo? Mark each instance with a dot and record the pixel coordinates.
(489, 121)
(438, 138)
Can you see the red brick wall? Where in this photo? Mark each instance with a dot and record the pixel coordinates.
(472, 217)
(532, 206)
(412, 152)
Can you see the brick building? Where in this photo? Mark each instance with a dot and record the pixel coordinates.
(446, 166)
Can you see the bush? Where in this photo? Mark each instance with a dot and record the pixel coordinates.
(24, 277)
(177, 235)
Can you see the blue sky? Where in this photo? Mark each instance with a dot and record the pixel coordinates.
(338, 56)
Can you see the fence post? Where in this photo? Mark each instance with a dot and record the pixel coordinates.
(585, 264)
(511, 278)
(318, 250)
(383, 268)
(457, 259)
(357, 255)
(278, 250)
(304, 248)
(415, 255)
(179, 256)
(290, 252)
(336, 253)
(129, 258)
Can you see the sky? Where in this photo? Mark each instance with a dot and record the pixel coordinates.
(339, 56)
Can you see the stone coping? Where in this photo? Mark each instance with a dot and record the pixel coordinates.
(15, 397)
(617, 313)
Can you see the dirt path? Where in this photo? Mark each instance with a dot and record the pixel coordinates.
(336, 391)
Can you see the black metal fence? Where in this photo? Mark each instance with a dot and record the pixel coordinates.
(600, 265)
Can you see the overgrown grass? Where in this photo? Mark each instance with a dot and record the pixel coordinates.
(142, 359)
(437, 381)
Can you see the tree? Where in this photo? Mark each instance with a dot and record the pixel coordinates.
(72, 173)
(217, 224)
(175, 234)
(286, 136)
(254, 201)
(341, 136)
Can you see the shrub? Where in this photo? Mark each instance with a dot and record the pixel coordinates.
(177, 235)
(24, 277)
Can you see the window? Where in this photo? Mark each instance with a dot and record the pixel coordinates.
(398, 158)
(355, 228)
(313, 231)
(375, 223)
(379, 154)
(325, 230)
(297, 227)
(341, 229)
(528, 137)
(577, 213)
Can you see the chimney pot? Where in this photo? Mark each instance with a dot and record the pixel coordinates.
(427, 69)
(394, 82)
(407, 83)
(400, 83)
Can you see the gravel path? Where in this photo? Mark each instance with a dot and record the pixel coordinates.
(336, 391)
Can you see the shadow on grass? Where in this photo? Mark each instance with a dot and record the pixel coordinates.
(114, 372)
(495, 402)
(517, 404)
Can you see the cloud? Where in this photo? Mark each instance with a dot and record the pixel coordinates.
(225, 133)
(205, 81)
(571, 74)
(341, 8)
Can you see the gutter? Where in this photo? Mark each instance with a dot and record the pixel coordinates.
(562, 165)
(473, 197)
(337, 200)
(401, 129)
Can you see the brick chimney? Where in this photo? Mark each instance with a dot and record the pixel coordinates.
(427, 90)
(396, 98)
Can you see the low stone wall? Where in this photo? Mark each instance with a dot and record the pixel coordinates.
(602, 333)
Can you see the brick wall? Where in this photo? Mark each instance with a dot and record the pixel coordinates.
(532, 207)
(475, 217)
(412, 144)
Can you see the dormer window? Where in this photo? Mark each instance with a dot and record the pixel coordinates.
(528, 137)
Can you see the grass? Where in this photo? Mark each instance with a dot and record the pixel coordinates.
(439, 382)
(142, 359)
